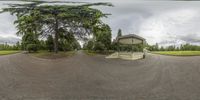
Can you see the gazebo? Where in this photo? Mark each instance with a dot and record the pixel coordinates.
(130, 39)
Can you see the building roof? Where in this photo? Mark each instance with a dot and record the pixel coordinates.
(131, 36)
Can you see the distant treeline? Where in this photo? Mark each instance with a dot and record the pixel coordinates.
(183, 47)
(5, 46)
(65, 45)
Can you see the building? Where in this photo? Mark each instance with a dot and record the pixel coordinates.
(133, 40)
(130, 39)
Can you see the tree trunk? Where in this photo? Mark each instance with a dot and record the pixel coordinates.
(56, 43)
(56, 37)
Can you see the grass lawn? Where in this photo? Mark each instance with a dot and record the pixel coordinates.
(7, 52)
(52, 55)
(178, 53)
(91, 53)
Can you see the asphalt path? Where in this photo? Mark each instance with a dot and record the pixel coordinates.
(83, 77)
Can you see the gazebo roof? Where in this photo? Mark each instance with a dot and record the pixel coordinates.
(130, 39)
(130, 36)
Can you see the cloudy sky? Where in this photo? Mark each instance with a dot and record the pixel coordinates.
(163, 22)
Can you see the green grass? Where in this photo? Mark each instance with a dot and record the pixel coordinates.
(178, 53)
(52, 55)
(7, 52)
(91, 53)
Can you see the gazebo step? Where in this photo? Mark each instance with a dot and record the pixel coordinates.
(127, 55)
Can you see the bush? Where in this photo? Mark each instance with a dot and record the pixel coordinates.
(90, 45)
(98, 46)
(50, 47)
(32, 47)
(65, 47)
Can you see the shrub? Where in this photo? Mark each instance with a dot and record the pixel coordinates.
(32, 47)
(66, 46)
(98, 46)
(90, 45)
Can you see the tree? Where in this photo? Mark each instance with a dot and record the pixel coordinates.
(32, 47)
(18, 45)
(42, 45)
(162, 48)
(29, 39)
(90, 45)
(177, 48)
(119, 33)
(188, 46)
(171, 48)
(28, 27)
(5, 47)
(156, 47)
(43, 20)
(98, 46)
(114, 46)
(49, 43)
(68, 42)
(103, 36)
(76, 45)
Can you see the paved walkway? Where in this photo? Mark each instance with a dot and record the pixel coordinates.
(83, 77)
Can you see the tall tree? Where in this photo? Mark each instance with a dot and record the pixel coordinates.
(119, 33)
(44, 20)
(103, 35)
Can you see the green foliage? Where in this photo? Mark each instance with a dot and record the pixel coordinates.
(162, 48)
(76, 45)
(188, 46)
(49, 43)
(171, 48)
(40, 20)
(68, 42)
(179, 53)
(32, 48)
(183, 47)
(103, 36)
(89, 45)
(98, 46)
(5, 46)
(17, 46)
(42, 45)
(65, 46)
(153, 47)
(29, 39)
(114, 46)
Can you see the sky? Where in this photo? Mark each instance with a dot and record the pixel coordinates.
(162, 22)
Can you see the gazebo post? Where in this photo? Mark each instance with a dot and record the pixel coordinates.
(144, 50)
(132, 49)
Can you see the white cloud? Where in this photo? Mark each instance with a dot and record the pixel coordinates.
(171, 26)
(8, 40)
(7, 28)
